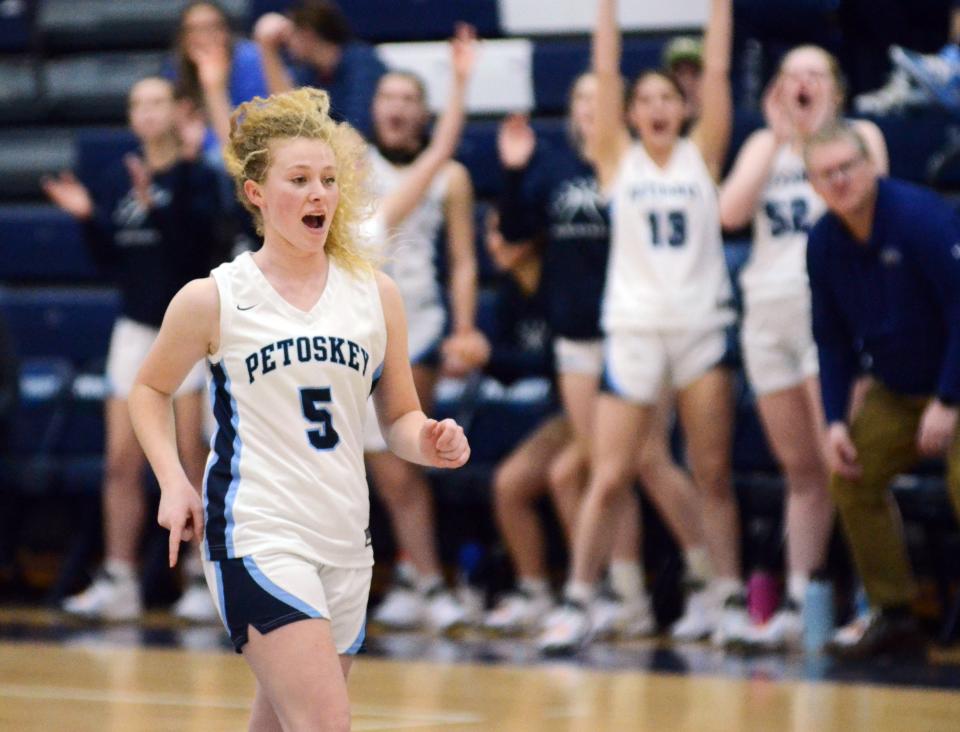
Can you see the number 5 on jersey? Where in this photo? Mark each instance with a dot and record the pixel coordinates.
(324, 437)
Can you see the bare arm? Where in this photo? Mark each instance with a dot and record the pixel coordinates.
(213, 68)
(271, 32)
(396, 206)
(189, 332)
(409, 433)
(609, 138)
(460, 249)
(712, 132)
(741, 191)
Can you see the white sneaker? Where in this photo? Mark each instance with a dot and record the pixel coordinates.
(615, 617)
(402, 609)
(518, 612)
(195, 604)
(851, 633)
(699, 616)
(782, 631)
(444, 611)
(734, 629)
(565, 630)
(108, 598)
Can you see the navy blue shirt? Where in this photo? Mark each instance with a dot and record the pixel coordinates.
(891, 304)
(153, 253)
(557, 196)
(519, 338)
(352, 86)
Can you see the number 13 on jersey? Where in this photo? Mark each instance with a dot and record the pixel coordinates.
(323, 436)
(668, 227)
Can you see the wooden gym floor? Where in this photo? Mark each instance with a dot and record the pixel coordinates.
(156, 676)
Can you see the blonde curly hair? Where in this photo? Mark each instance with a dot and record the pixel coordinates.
(305, 112)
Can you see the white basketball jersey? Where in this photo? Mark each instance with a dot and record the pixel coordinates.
(289, 390)
(666, 269)
(410, 249)
(788, 208)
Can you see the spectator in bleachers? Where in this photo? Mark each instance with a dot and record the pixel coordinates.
(317, 36)
(153, 228)
(683, 58)
(768, 186)
(400, 119)
(551, 192)
(215, 68)
(667, 305)
(884, 266)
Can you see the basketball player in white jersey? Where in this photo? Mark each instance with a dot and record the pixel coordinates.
(297, 335)
(666, 308)
(769, 186)
(400, 118)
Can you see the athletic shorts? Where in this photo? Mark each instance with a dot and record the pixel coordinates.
(639, 364)
(778, 347)
(578, 356)
(129, 344)
(270, 590)
(425, 328)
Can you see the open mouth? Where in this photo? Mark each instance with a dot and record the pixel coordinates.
(804, 100)
(660, 126)
(314, 221)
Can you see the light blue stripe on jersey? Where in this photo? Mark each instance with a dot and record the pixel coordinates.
(223, 472)
(234, 465)
(261, 579)
(376, 378)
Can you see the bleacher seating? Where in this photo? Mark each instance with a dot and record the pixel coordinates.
(95, 87)
(96, 24)
(28, 154)
(20, 98)
(41, 243)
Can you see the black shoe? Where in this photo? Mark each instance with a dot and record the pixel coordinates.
(882, 633)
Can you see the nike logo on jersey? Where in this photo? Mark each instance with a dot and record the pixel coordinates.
(249, 307)
(321, 349)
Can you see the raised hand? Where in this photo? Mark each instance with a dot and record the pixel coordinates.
(515, 142)
(463, 51)
(777, 113)
(273, 30)
(443, 444)
(181, 512)
(213, 66)
(69, 194)
(140, 178)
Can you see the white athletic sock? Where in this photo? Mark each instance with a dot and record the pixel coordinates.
(697, 561)
(120, 569)
(426, 585)
(724, 588)
(581, 592)
(797, 586)
(627, 579)
(535, 586)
